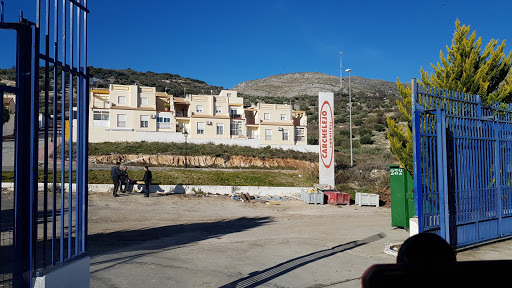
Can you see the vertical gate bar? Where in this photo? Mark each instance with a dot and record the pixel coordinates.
(63, 134)
(441, 175)
(70, 140)
(458, 165)
(22, 241)
(416, 156)
(71, 88)
(471, 170)
(85, 175)
(46, 128)
(444, 166)
(34, 137)
(435, 171)
(478, 176)
(498, 175)
(85, 149)
(466, 171)
(1, 152)
(80, 112)
(54, 132)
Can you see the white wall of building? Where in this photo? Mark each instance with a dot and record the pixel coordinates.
(177, 137)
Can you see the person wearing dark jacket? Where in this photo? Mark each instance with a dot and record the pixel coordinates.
(148, 176)
(125, 180)
(115, 172)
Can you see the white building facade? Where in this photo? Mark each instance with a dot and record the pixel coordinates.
(133, 113)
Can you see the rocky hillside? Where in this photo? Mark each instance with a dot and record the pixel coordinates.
(310, 83)
(202, 161)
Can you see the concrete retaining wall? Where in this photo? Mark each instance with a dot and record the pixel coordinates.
(71, 274)
(180, 189)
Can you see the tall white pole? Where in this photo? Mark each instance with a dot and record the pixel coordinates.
(341, 74)
(350, 116)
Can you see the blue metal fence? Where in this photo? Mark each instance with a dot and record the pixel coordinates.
(43, 227)
(462, 166)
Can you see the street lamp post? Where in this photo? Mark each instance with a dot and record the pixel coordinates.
(186, 135)
(350, 115)
(341, 74)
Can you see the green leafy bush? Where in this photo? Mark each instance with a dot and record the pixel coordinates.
(357, 122)
(366, 139)
(379, 127)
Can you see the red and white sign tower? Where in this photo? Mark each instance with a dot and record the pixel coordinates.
(326, 137)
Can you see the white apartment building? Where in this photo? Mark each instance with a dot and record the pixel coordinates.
(135, 113)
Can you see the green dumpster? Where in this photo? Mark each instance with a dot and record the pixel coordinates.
(402, 197)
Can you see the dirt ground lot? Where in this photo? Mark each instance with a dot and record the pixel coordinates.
(177, 241)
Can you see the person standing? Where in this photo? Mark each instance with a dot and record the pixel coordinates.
(115, 172)
(148, 176)
(125, 180)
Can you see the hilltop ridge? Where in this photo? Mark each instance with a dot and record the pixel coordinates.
(310, 83)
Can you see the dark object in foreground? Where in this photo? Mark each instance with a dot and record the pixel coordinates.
(427, 260)
(455, 274)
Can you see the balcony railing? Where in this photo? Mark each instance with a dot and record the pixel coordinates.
(165, 125)
(250, 121)
(300, 138)
(235, 116)
(180, 114)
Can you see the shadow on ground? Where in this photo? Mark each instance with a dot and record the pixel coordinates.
(138, 243)
(259, 277)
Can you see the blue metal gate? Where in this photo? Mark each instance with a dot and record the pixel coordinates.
(462, 166)
(43, 222)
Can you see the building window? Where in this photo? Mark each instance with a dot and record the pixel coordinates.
(144, 121)
(268, 134)
(101, 119)
(234, 113)
(300, 135)
(236, 128)
(285, 135)
(218, 109)
(199, 108)
(266, 116)
(121, 120)
(220, 129)
(229, 94)
(144, 101)
(121, 100)
(163, 120)
(283, 117)
(200, 127)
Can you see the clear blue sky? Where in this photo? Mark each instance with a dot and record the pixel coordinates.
(228, 42)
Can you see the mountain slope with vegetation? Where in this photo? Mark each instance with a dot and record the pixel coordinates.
(101, 78)
(164, 82)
